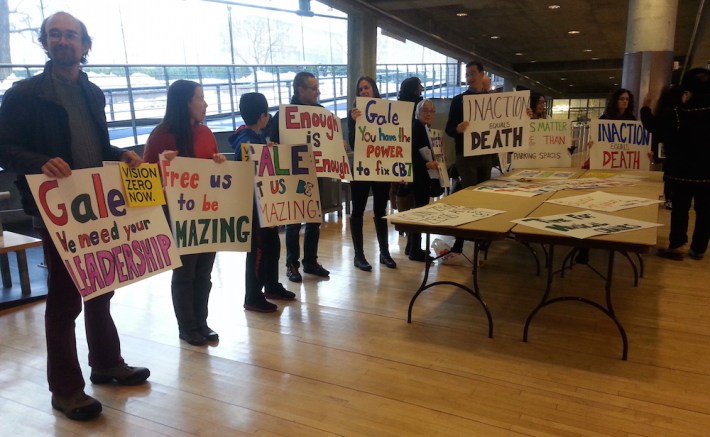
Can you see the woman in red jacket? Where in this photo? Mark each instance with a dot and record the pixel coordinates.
(182, 133)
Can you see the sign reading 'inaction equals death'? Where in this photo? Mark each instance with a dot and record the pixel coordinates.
(498, 122)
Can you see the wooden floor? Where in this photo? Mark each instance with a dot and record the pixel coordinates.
(342, 360)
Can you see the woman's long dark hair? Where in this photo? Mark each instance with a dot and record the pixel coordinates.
(372, 83)
(612, 106)
(177, 115)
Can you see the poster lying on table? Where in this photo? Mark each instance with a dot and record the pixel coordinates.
(584, 224)
(548, 142)
(286, 184)
(210, 204)
(619, 145)
(104, 243)
(498, 122)
(443, 214)
(603, 201)
(315, 125)
(383, 141)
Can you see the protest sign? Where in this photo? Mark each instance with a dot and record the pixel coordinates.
(584, 224)
(498, 122)
(142, 184)
(548, 142)
(210, 204)
(104, 242)
(619, 144)
(437, 146)
(383, 141)
(315, 125)
(286, 184)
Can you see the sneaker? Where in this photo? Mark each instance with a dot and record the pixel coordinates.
(279, 292)
(263, 306)
(208, 333)
(292, 273)
(78, 406)
(122, 374)
(695, 255)
(676, 254)
(315, 269)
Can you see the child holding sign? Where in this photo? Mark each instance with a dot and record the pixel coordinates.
(182, 132)
(262, 267)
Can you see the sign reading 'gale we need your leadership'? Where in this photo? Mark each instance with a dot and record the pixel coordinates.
(210, 204)
(498, 122)
(320, 128)
(285, 183)
(383, 141)
(104, 243)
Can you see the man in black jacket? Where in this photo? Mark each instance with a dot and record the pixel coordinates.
(51, 124)
(305, 92)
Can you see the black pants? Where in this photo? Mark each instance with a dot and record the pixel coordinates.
(685, 194)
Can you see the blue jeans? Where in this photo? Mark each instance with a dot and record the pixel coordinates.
(310, 243)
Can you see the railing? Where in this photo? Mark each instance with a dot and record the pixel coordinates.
(136, 95)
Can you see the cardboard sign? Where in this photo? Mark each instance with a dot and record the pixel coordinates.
(104, 243)
(548, 141)
(383, 141)
(142, 184)
(498, 122)
(320, 128)
(619, 145)
(286, 184)
(210, 204)
(437, 145)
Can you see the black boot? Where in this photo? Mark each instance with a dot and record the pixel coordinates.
(356, 231)
(383, 239)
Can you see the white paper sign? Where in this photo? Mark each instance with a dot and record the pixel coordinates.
(584, 224)
(498, 122)
(104, 243)
(603, 201)
(286, 184)
(548, 142)
(443, 214)
(619, 145)
(314, 125)
(383, 141)
(210, 204)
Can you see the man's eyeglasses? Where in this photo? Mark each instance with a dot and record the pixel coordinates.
(56, 35)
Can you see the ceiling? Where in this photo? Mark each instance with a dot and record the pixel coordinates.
(533, 44)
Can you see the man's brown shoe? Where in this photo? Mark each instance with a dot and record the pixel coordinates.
(77, 406)
(122, 374)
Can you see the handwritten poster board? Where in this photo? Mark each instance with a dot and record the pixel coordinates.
(104, 243)
(584, 224)
(498, 122)
(619, 145)
(314, 125)
(142, 184)
(548, 141)
(443, 214)
(437, 146)
(210, 204)
(286, 184)
(383, 141)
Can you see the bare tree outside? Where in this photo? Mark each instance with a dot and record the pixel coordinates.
(258, 41)
(21, 23)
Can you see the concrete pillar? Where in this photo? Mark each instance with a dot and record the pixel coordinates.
(362, 49)
(648, 58)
